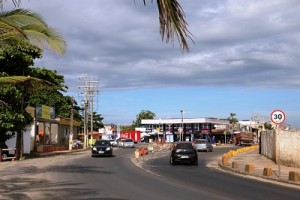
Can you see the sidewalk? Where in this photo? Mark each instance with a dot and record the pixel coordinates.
(261, 167)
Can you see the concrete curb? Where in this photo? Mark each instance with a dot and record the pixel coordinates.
(228, 168)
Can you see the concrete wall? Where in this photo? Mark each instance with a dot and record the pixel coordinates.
(289, 148)
(283, 147)
(27, 137)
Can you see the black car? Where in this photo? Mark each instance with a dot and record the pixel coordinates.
(184, 152)
(102, 148)
(4, 152)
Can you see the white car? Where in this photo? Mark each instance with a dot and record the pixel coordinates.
(203, 145)
(113, 142)
(128, 143)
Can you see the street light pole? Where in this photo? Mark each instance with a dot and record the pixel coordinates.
(181, 135)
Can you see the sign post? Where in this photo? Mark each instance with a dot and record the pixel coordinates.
(278, 117)
(180, 130)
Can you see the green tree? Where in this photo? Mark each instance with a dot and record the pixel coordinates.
(16, 105)
(16, 59)
(97, 122)
(144, 114)
(23, 26)
(232, 120)
(11, 119)
(268, 126)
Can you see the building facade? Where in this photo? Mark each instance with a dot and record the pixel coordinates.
(187, 129)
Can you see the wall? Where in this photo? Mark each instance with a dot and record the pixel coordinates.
(283, 147)
(289, 148)
(11, 143)
(268, 144)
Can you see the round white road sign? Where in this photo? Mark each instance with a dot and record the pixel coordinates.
(277, 116)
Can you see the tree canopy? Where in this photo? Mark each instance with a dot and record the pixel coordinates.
(144, 114)
(232, 119)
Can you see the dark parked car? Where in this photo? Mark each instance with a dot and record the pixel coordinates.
(102, 148)
(5, 153)
(203, 145)
(183, 152)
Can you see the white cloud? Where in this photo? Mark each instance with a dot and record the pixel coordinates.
(245, 43)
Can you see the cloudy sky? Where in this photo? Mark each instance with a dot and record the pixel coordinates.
(245, 59)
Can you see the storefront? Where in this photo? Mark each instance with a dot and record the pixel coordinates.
(184, 129)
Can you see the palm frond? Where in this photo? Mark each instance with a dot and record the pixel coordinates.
(23, 80)
(47, 37)
(27, 25)
(23, 17)
(172, 21)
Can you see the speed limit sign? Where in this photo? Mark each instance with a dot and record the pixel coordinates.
(277, 116)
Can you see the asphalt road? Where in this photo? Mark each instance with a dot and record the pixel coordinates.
(79, 176)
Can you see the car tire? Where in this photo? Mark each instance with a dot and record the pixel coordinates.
(195, 163)
(172, 162)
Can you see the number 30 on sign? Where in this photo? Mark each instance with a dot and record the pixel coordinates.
(277, 116)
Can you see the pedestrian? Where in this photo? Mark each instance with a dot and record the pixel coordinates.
(213, 139)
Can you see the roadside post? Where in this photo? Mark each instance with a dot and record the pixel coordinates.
(278, 117)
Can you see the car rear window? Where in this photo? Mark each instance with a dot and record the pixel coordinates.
(128, 140)
(102, 142)
(184, 146)
(200, 142)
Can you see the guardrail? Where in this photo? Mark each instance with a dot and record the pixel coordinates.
(8, 157)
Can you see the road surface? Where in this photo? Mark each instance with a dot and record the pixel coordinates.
(79, 176)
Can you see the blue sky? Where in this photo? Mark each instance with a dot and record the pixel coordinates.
(245, 59)
(202, 102)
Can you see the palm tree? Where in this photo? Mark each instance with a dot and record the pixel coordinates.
(171, 19)
(23, 24)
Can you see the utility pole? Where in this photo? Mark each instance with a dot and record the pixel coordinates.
(92, 121)
(71, 124)
(85, 126)
(181, 135)
(90, 90)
